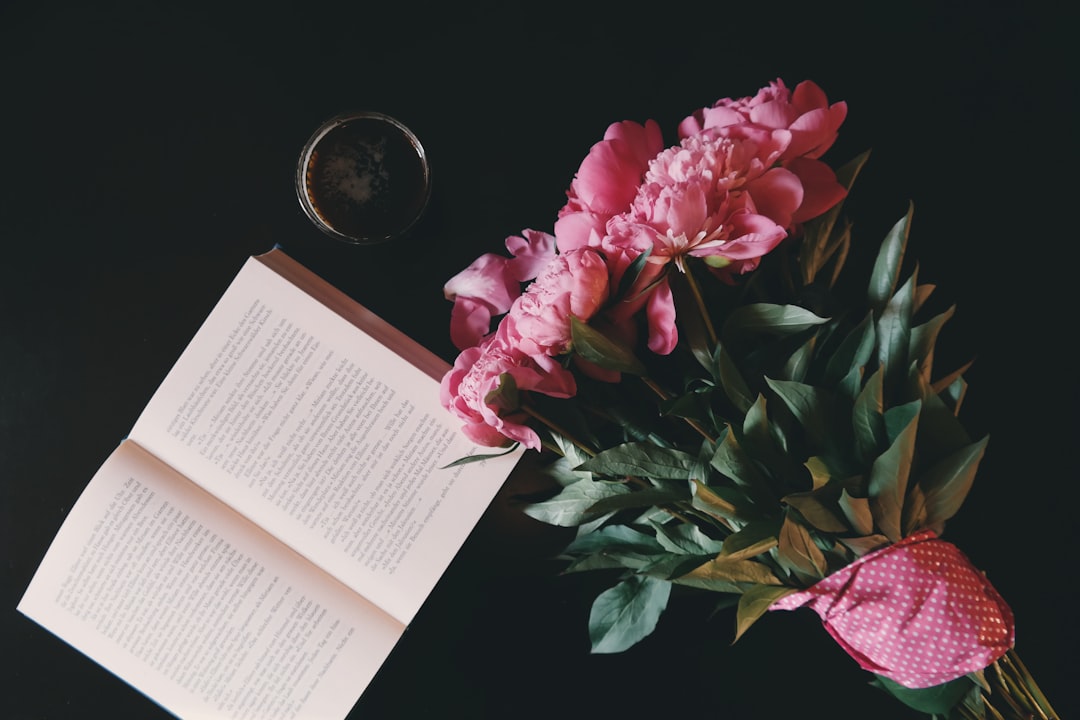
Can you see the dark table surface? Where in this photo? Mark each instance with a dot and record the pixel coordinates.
(150, 150)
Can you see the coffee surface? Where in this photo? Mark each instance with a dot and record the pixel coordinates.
(366, 179)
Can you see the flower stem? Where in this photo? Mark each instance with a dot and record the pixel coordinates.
(695, 290)
(664, 396)
(1014, 694)
(555, 427)
(1033, 688)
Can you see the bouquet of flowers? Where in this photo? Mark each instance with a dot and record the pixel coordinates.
(725, 410)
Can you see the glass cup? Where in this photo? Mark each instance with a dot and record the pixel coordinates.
(363, 178)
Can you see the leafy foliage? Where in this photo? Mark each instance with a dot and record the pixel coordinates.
(807, 430)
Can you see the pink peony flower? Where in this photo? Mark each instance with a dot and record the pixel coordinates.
(489, 286)
(573, 283)
(744, 176)
(469, 390)
(702, 196)
(609, 175)
(606, 182)
(806, 113)
(812, 124)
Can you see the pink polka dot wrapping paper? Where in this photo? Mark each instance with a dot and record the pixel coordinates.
(917, 612)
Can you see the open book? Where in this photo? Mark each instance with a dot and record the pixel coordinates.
(278, 514)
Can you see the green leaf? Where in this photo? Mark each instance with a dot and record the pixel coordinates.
(798, 552)
(940, 431)
(642, 459)
(866, 544)
(765, 442)
(723, 571)
(755, 430)
(914, 516)
(573, 505)
(894, 334)
(564, 468)
(651, 515)
(647, 497)
(573, 426)
(851, 383)
(953, 393)
(819, 471)
(731, 461)
(923, 339)
(945, 485)
(713, 502)
(812, 407)
(754, 603)
(694, 405)
(798, 363)
(922, 294)
(817, 507)
(505, 394)
(752, 540)
(821, 243)
(867, 419)
(671, 565)
(853, 353)
(936, 700)
(686, 539)
(888, 481)
(633, 271)
(713, 585)
(857, 511)
(598, 349)
(615, 546)
(770, 319)
(731, 380)
(886, 270)
(479, 457)
(599, 561)
(899, 417)
(839, 245)
(846, 173)
(625, 614)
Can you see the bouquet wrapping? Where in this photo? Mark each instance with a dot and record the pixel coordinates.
(725, 410)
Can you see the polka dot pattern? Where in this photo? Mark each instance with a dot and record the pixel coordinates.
(917, 612)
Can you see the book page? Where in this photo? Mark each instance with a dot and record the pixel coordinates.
(198, 608)
(330, 437)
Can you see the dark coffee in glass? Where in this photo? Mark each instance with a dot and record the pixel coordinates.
(363, 178)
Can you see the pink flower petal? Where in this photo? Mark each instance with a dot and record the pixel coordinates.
(578, 230)
(532, 251)
(777, 194)
(643, 141)
(754, 237)
(774, 114)
(815, 132)
(807, 95)
(610, 174)
(487, 279)
(822, 191)
(660, 311)
(470, 321)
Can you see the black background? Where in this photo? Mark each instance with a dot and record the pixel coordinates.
(149, 149)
